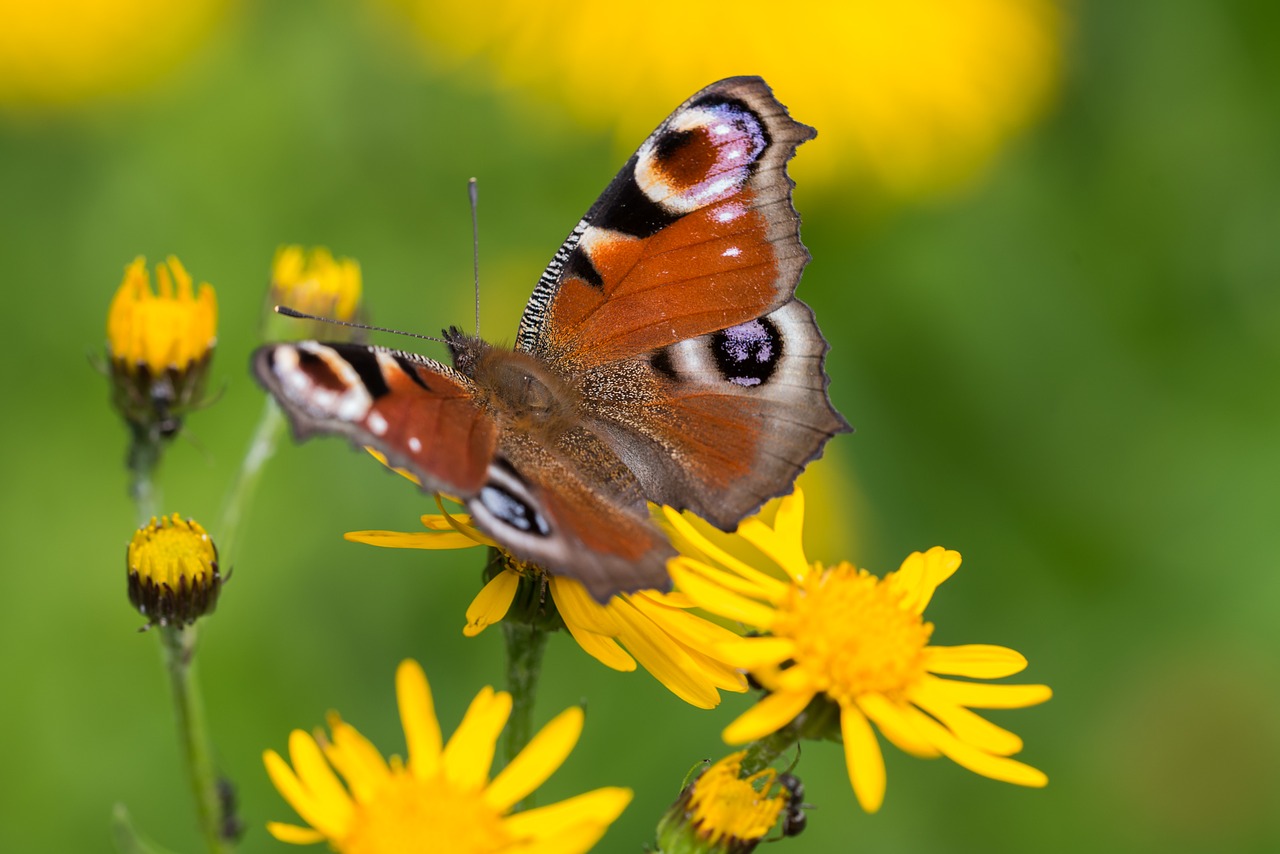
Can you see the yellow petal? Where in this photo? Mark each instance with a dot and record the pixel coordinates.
(544, 753)
(577, 606)
(491, 603)
(976, 661)
(785, 552)
(441, 522)
(788, 522)
(771, 714)
(382, 458)
(568, 818)
(672, 599)
(310, 786)
(603, 649)
(461, 522)
(711, 593)
(469, 754)
(418, 717)
(298, 796)
(967, 756)
(896, 726)
(968, 727)
(862, 758)
(410, 539)
(685, 627)
(720, 674)
(920, 575)
(752, 653)
(768, 586)
(664, 658)
(355, 758)
(979, 695)
(293, 834)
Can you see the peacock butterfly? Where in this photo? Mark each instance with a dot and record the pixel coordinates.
(662, 357)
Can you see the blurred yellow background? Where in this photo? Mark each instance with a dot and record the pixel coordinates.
(1046, 245)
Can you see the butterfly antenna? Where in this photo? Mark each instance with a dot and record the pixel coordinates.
(474, 195)
(290, 312)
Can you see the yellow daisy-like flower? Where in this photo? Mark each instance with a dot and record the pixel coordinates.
(314, 282)
(913, 96)
(60, 52)
(861, 642)
(441, 797)
(172, 567)
(723, 812)
(657, 629)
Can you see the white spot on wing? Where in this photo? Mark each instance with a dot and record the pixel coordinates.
(351, 404)
(415, 444)
(731, 252)
(377, 424)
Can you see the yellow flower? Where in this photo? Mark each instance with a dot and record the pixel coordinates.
(63, 51)
(655, 628)
(441, 797)
(172, 567)
(723, 812)
(842, 635)
(316, 283)
(913, 96)
(159, 347)
(168, 331)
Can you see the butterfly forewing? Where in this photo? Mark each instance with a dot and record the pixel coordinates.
(421, 414)
(696, 233)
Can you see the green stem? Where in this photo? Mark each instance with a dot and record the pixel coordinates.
(143, 458)
(179, 648)
(261, 449)
(525, 644)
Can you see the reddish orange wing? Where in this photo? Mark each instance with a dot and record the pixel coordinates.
(422, 415)
(696, 233)
(671, 304)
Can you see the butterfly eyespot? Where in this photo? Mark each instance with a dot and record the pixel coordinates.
(705, 156)
(510, 510)
(748, 354)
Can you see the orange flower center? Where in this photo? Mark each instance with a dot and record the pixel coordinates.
(415, 816)
(853, 634)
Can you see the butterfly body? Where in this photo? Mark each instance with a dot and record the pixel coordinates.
(662, 357)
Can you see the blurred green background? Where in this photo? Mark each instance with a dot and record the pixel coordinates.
(1066, 369)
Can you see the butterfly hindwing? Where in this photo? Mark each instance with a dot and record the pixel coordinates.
(728, 420)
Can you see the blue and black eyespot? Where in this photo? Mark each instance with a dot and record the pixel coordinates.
(749, 353)
(512, 510)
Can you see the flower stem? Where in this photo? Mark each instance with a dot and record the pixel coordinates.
(525, 631)
(144, 455)
(261, 448)
(179, 649)
(525, 644)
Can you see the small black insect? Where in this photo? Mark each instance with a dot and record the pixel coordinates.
(794, 819)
